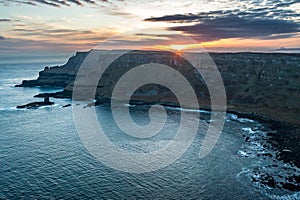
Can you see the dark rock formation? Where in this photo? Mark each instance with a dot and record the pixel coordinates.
(262, 84)
(65, 94)
(34, 105)
(264, 87)
(67, 105)
(57, 76)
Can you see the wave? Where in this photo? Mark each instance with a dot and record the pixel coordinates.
(295, 196)
(15, 108)
(9, 109)
(271, 176)
(235, 117)
(177, 108)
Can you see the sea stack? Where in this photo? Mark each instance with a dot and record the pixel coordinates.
(46, 99)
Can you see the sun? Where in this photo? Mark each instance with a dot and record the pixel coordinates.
(177, 47)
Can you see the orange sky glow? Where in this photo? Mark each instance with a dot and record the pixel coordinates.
(219, 25)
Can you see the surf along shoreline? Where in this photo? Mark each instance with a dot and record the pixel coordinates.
(260, 86)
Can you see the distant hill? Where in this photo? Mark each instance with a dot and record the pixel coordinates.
(287, 49)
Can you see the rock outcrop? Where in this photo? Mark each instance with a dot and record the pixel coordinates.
(264, 84)
(58, 76)
(38, 104)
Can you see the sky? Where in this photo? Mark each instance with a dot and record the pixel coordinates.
(62, 26)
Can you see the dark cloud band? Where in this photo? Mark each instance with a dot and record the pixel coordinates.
(268, 22)
(54, 3)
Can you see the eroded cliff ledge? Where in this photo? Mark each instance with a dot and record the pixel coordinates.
(265, 84)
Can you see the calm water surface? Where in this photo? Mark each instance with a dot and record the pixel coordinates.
(42, 156)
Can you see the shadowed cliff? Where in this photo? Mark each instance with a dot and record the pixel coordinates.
(266, 85)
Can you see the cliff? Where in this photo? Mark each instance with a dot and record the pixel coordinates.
(57, 76)
(266, 85)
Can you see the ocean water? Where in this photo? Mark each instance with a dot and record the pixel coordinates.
(42, 156)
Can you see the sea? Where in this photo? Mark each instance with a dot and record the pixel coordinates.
(43, 157)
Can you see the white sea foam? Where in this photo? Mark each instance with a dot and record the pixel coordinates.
(243, 120)
(232, 116)
(243, 153)
(177, 108)
(188, 109)
(255, 146)
(48, 106)
(8, 109)
(235, 117)
(248, 129)
(295, 196)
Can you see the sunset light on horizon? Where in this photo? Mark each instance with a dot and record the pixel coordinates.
(150, 99)
(220, 25)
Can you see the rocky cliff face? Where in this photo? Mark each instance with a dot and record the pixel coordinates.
(58, 76)
(265, 84)
(268, 84)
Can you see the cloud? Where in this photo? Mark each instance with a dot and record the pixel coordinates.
(118, 12)
(5, 20)
(8, 20)
(54, 3)
(145, 40)
(170, 38)
(7, 2)
(233, 26)
(76, 2)
(89, 1)
(17, 45)
(57, 34)
(190, 17)
(270, 22)
(281, 36)
(48, 2)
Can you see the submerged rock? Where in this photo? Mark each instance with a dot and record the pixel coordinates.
(34, 105)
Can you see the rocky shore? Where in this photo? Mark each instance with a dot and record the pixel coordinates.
(262, 84)
(259, 86)
(34, 105)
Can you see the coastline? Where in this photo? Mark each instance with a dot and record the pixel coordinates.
(284, 134)
(259, 86)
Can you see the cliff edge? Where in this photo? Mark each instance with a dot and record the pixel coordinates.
(263, 84)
